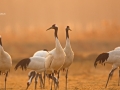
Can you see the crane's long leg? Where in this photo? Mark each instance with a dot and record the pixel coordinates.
(44, 80)
(66, 78)
(119, 78)
(56, 83)
(36, 80)
(6, 79)
(41, 80)
(54, 86)
(58, 74)
(110, 75)
(52, 80)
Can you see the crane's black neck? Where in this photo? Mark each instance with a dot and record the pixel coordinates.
(67, 34)
(0, 42)
(56, 31)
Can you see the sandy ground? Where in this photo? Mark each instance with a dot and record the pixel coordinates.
(82, 76)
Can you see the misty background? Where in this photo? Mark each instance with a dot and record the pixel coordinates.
(95, 25)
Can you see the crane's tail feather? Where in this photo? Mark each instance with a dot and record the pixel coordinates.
(23, 64)
(101, 59)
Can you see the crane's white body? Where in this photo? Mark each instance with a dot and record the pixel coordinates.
(111, 57)
(117, 48)
(114, 57)
(37, 63)
(41, 53)
(56, 57)
(69, 55)
(5, 60)
(45, 55)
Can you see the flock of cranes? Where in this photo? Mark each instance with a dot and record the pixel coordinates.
(52, 62)
(47, 62)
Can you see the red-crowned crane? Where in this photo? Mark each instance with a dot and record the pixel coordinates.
(33, 63)
(56, 56)
(69, 54)
(32, 74)
(111, 57)
(5, 62)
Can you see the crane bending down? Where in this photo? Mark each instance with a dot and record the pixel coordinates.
(69, 55)
(32, 74)
(111, 57)
(5, 62)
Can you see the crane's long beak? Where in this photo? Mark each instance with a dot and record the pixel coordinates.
(49, 28)
(69, 29)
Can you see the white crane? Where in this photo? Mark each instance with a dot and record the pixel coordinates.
(5, 62)
(33, 63)
(111, 57)
(56, 56)
(32, 74)
(69, 55)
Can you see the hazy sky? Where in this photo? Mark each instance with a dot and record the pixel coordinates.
(39, 13)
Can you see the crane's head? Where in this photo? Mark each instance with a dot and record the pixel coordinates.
(54, 26)
(68, 28)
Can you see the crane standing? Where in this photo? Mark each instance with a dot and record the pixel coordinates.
(5, 62)
(69, 55)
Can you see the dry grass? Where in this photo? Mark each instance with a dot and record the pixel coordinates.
(82, 76)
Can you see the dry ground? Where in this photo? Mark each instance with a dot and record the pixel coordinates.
(82, 76)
